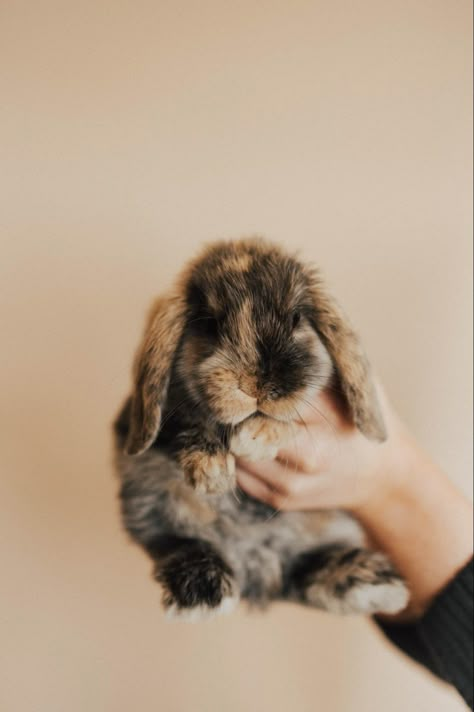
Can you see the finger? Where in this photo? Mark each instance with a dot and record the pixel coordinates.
(257, 488)
(310, 495)
(306, 449)
(275, 476)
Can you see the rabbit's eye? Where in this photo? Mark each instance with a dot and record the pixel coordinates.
(295, 319)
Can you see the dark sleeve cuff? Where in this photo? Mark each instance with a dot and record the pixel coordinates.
(442, 640)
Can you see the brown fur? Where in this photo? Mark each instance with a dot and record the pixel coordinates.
(350, 362)
(212, 474)
(230, 403)
(260, 438)
(151, 371)
(237, 262)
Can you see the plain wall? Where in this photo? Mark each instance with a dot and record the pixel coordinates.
(131, 132)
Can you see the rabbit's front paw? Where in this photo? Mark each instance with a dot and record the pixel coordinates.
(197, 583)
(209, 474)
(259, 438)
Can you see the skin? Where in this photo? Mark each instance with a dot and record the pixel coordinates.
(407, 505)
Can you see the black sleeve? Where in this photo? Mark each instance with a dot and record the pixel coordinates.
(442, 640)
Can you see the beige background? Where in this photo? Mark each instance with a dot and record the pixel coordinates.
(131, 132)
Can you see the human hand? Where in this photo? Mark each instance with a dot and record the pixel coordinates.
(328, 463)
(395, 490)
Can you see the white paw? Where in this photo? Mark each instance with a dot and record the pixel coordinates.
(199, 613)
(379, 598)
(363, 597)
(259, 438)
(250, 447)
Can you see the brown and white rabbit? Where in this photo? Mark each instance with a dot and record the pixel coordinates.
(227, 356)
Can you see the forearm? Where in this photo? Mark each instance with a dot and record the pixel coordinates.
(421, 521)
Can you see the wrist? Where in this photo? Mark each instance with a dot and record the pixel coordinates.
(395, 474)
(420, 520)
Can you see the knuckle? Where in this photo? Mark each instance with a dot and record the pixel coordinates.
(308, 465)
(294, 486)
(284, 488)
(276, 500)
(287, 487)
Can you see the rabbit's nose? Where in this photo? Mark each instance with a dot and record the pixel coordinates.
(248, 384)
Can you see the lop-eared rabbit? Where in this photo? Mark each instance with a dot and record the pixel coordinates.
(247, 335)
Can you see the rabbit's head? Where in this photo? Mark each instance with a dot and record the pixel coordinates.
(248, 328)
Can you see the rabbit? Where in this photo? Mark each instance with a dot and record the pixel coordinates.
(246, 334)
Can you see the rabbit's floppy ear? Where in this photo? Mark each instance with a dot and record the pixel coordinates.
(350, 363)
(152, 370)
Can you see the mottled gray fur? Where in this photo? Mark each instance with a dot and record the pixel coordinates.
(259, 544)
